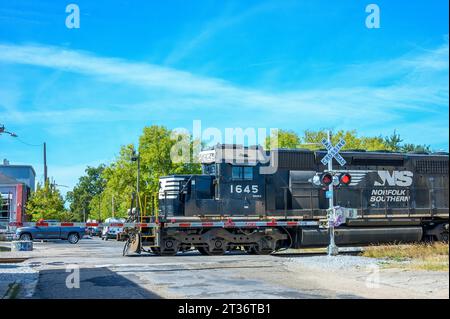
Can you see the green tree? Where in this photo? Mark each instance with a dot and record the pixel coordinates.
(88, 186)
(156, 148)
(284, 139)
(120, 183)
(393, 142)
(406, 148)
(313, 140)
(47, 203)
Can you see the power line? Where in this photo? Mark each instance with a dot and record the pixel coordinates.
(3, 130)
(29, 144)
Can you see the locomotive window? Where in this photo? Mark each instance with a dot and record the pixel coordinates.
(242, 173)
(236, 172)
(209, 169)
(248, 173)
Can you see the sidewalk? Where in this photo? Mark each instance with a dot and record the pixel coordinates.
(22, 275)
(16, 279)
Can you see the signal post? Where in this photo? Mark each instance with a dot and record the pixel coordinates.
(332, 180)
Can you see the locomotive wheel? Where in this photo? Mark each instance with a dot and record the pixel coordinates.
(443, 236)
(256, 251)
(262, 251)
(263, 247)
(220, 247)
(202, 250)
(206, 252)
(155, 250)
(170, 247)
(249, 250)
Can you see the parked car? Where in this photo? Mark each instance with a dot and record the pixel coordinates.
(111, 232)
(71, 234)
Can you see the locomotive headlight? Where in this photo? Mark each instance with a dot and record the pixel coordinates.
(316, 180)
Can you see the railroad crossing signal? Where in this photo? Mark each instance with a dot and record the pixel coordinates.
(327, 160)
(333, 151)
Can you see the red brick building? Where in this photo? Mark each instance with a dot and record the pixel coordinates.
(16, 184)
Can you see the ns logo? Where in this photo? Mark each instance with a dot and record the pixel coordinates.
(397, 178)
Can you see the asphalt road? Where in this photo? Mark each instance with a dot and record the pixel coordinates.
(105, 273)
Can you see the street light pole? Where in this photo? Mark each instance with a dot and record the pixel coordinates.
(136, 157)
(3, 130)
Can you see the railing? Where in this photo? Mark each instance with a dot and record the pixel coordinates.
(358, 198)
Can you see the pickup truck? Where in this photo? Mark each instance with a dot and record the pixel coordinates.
(71, 234)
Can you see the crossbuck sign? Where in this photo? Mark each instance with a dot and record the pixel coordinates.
(333, 151)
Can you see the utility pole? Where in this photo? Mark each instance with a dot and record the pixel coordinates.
(136, 157)
(45, 163)
(137, 186)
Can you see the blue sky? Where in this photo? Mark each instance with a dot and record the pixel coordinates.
(287, 64)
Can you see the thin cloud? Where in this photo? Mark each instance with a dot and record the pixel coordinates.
(211, 28)
(168, 90)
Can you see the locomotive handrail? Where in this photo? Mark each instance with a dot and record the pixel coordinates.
(411, 205)
(187, 182)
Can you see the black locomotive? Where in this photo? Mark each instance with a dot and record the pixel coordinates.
(266, 200)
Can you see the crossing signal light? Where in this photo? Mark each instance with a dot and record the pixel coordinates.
(346, 179)
(326, 179)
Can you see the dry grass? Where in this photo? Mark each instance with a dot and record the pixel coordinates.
(413, 257)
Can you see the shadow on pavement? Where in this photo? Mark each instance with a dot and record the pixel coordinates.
(186, 254)
(95, 283)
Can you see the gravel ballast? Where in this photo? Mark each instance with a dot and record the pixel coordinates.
(341, 262)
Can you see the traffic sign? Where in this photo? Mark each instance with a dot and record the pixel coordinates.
(333, 151)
